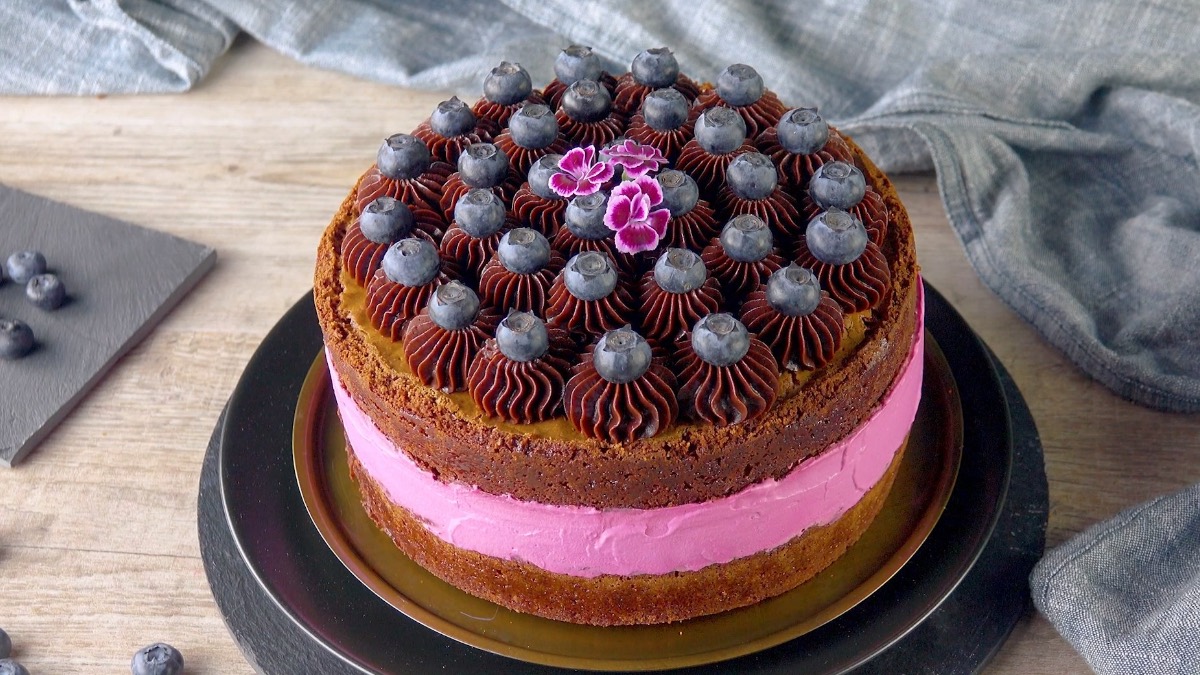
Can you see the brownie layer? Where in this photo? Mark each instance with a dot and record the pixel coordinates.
(609, 600)
(688, 463)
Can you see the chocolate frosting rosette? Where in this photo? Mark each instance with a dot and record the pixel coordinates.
(505, 89)
(410, 271)
(620, 393)
(801, 324)
(726, 375)
(451, 128)
(654, 69)
(441, 342)
(519, 376)
(741, 88)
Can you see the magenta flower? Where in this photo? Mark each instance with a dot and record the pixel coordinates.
(581, 174)
(631, 215)
(637, 159)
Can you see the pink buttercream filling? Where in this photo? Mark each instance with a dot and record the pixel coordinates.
(588, 542)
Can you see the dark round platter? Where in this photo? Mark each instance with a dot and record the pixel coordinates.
(293, 607)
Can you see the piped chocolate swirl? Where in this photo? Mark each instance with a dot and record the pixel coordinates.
(741, 88)
(519, 376)
(676, 293)
(801, 324)
(726, 375)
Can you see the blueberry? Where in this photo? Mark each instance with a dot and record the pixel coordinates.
(575, 63)
(521, 336)
(586, 101)
(385, 220)
(453, 306)
(837, 185)
(5, 645)
(452, 118)
(655, 68)
(794, 290)
(680, 192)
(739, 84)
(11, 667)
(479, 213)
(412, 262)
(16, 339)
(533, 126)
(523, 251)
(665, 109)
(720, 339)
(25, 265)
(679, 270)
(802, 131)
(752, 176)
(46, 291)
(539, 176)
(590, 276)
(157, 659)
(403, 156)
(746, 238)
(836, 237)
(720, 130)
(622, 356)
(585, 216)
(482, 165)
(508, 83)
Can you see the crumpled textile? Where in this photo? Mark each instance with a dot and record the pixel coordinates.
(1126, 592)
(1064, 136)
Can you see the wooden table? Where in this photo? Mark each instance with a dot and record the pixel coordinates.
(98, 545)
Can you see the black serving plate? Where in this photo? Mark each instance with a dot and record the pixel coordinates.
(293, 607)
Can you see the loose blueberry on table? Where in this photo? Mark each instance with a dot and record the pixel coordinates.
(46, 291)
(11, 667)
(16, 339)
(157, 659)
(25, 265)
(5, 645)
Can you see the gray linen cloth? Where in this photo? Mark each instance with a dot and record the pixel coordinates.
(1064, 136)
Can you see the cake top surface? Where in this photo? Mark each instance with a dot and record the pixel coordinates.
(639, 248)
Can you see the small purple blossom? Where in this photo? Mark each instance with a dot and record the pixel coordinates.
(631, 214)
(582, 175)
(638, 160)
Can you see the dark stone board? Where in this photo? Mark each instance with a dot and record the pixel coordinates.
(121, 280)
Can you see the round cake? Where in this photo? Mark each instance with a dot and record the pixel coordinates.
(632, 349)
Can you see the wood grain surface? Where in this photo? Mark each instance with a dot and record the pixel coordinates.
(98, 544)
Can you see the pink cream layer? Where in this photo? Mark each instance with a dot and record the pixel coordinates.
(588, 542)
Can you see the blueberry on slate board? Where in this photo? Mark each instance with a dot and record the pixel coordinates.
(157, 659)
(622, 356)
(10, 667)
(522, 337)
(837, 184)
(5, 645)
(25, 265)
(720, 339)
(46, 291)
(836, 237)
(16, 339)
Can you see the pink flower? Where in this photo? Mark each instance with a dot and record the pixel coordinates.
(582, 176)
(631, 215)
(637, 159)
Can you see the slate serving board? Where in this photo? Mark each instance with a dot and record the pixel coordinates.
(121, 280)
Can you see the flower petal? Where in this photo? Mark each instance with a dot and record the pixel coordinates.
(658, 220)
(589, 155)
(574, 162)
(635, 238)
(627, 189)
(641, 208)
(564, 185)
(617, 215)
(586, 186)
(600, 173)
(651, 189)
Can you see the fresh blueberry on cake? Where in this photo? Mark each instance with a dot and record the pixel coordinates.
(656, 312)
